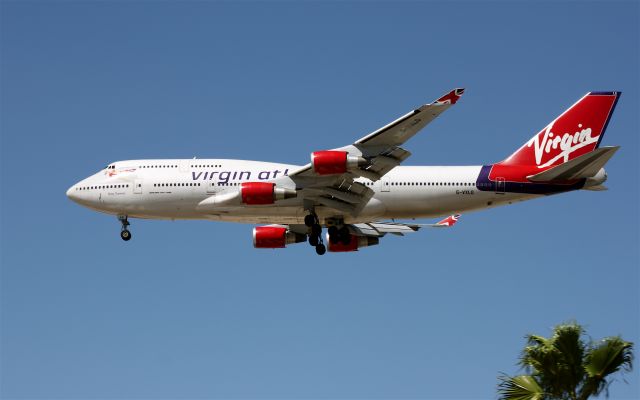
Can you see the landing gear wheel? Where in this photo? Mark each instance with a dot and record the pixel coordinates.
(321, 249)
(310, 220)
(314, 240)
(124, 232)
(125, 235)
(316, 230)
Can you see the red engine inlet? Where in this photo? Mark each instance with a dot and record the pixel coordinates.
(269, 237)
(257, 193)
(275, 237)
(330, 162)
(355, 243)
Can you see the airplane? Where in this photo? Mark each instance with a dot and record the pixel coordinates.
(357, 191)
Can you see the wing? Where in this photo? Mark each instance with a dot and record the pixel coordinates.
(380, 229)
(365, 234)
(333, 184)
(381, 148)
(398, 228)
(402, 129)
(445, 223)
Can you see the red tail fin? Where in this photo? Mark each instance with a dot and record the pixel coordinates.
(575, 132)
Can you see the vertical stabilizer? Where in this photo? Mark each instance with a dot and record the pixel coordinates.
(574, 133)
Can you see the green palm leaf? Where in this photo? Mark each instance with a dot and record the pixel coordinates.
(609, 356)
(523, 387)
(604, 359)
(564, 367)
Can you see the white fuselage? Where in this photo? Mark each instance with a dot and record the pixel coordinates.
(173, 189)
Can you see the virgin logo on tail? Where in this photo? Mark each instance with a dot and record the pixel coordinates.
(568, 143)
(575, 132)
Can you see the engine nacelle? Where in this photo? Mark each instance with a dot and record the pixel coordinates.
(257, 193)
(275, 237)
(355, 243)
(330, 162)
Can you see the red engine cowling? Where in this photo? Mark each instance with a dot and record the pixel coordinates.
(257, 193)
(355, 243)
(275, 237)
(330, 162)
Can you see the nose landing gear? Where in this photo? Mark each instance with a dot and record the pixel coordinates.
(124, 232)
(315, 234)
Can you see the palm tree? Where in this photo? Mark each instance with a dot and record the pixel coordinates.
(564, 367)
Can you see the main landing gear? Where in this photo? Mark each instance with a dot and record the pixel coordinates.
(315, 234)
(124, 232)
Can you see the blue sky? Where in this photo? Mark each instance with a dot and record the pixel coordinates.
(190, 309)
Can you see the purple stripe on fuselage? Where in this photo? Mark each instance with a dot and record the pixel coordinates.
(484, 184)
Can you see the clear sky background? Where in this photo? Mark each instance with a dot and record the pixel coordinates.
(190, 309)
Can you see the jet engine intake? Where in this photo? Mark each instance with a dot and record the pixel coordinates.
(256, 193)
(275, 237)
(355, 243)
(330, 162)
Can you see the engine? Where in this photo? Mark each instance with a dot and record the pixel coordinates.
(275, 237)
(256, 193)
(355, 243)
(329, 162)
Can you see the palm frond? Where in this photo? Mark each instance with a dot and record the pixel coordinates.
(565, 367)
(606, 358)
(609, 356)
(566, 339)
(523, 387)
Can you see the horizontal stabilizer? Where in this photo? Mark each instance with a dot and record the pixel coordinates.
(584, 166)
(597, 188)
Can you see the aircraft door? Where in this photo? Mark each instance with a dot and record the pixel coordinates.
(385, 186)
(137, 186)
(500, 185)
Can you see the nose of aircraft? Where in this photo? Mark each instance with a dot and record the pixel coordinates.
(72, 193)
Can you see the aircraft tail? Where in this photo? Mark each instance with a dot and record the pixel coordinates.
(573, 135)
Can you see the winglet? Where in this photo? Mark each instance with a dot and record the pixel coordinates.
(447, 222)
(450, 98)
